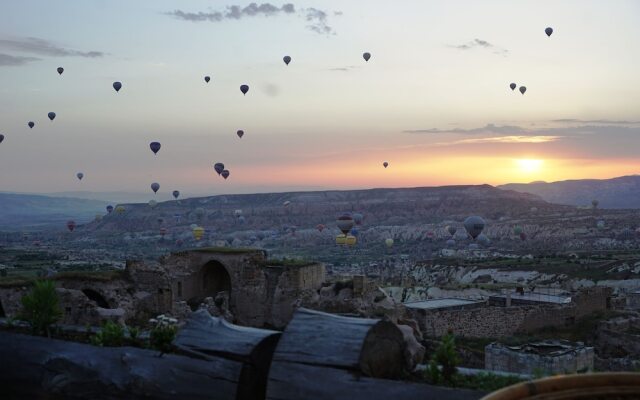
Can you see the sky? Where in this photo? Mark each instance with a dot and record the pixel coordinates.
(433, 101)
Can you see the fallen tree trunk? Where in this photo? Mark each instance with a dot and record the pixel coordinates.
(324, 356)
(36, 367)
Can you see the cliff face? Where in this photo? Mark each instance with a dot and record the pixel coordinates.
(621, 192)
(308, 209)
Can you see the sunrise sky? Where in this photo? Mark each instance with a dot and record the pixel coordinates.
(433, 100)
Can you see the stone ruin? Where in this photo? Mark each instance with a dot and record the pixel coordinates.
(548, 357)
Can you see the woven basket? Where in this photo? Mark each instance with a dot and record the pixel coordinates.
(596, 386)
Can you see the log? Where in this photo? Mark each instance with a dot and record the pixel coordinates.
(300, 381)
(210, 338)
(325, 356)
(36, 367)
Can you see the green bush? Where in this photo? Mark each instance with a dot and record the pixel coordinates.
(111, 335)
(162, 336)
(41, 307)
(442, 366)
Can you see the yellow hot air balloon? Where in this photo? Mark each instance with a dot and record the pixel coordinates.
(351, 240)
(198, 231)
(120, 209)
(389, 242)
(341, 239)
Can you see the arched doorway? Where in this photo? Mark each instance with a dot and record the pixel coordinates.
(213, 278)
(96, 298)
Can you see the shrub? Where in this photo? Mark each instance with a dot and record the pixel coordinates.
(111, 335)
(41, 307)
(163, 332)
(442, 366)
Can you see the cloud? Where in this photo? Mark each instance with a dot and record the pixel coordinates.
(489, 128)
(317, 19)
(504, 139)
(479, 43)
(595, 121)
(7, 60)
(44, 48)
(343, 69)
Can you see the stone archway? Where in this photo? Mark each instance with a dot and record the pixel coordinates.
(212, 278)
(96, 298)
(215, 279)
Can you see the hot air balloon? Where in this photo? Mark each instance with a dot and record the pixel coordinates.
(474, 226)
(286, 59)
(153, 203)
(80, 175)
(198, 232)
(176, 194)
(350, 240)
(345, 223)
(218, 167)
(109, 209)
(320, 227)
(225, 173)
(484, 239)
(600, 224)
(451, 243)
(207, 79)
(341, 239)
(595, 203)
(163, 231)
(155, 186)
(31, 124)
(358, 218)
(117, 86)
(241, 219)
(60, 70)
(548, 31)
(51, 115)
(244, 89)
(512, 86)
(388, 242)
(240, 133)
(120, 209)
(366, 56)
(517, 230)
(1, 138)
(155, 147)
(71, 225)
(522, 89)
(451, 229)
(385, 164)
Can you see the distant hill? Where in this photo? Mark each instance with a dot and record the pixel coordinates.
(621, 192)
(267, 211)
(23, 211)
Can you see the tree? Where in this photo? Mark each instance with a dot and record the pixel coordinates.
(442, 366)
(41, 307)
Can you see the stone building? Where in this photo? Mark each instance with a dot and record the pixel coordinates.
(548, 357)
(260, 292)
(633, 300)
(503, 319)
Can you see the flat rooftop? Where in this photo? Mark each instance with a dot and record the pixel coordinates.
(440, 303)
(537, 297)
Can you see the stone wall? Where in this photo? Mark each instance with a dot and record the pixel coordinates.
(499, 321)
(549, 358)
(633, 301)
(490, 321)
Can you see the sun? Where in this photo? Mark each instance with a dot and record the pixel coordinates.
(529, 165)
